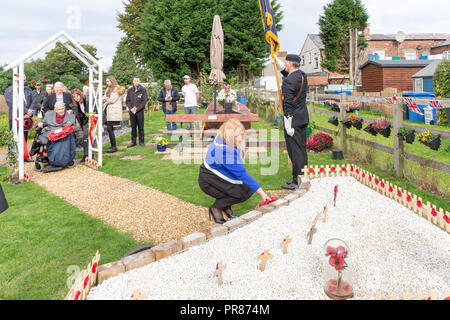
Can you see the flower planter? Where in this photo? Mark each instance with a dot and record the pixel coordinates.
(370, 129)
(434, 144)
(161, 148)
(386, 132)
(228, 107)
(409, 137)
(357, 124)
(334, 121)
(347, 124)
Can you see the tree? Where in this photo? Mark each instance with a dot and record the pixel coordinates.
(173, 38)
(60, 61)
(339, 16)
(125, 66)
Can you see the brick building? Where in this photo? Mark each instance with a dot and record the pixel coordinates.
(441, 47)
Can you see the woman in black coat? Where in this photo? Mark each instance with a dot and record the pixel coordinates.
(81, 109)
(60, 95)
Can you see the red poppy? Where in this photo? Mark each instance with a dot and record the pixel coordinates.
(331, 288)
(333, 282)
(447, 219)
(94, 267)
(322, 170)
(377, 181)
(86, 281)
(433, 212)
(419, 203)
(382, 184)
(357, 171)
(77, 295)
(344, 169)
(351, 168)
(408, 198)
(448, 298)
(337, 262)
(339, 251)
(390, 189)
(399, 193)
(363, 175)
(370, 178)
(311, 170)
(333, 169)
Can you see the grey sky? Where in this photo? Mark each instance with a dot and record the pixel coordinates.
(24, 24)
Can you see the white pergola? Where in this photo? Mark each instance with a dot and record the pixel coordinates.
(95, 95)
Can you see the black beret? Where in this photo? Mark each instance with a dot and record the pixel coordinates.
(293, 58)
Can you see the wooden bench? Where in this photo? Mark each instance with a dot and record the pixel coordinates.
(208, 118)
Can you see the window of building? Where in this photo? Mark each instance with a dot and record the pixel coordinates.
(303, 60)
(317, 63)
(418, 84)
(379, 53)
(410, 54)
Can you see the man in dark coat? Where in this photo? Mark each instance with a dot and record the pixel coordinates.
(296, 117)
(136, 101)
(40, 96)
(169, 97)
(28, 107)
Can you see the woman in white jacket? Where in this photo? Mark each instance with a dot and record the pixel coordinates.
(112, 109)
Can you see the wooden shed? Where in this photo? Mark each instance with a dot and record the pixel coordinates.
(376, 75)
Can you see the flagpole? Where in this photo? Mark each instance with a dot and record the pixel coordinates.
(280, 96)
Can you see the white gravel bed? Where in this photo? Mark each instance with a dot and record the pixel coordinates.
(392, 251)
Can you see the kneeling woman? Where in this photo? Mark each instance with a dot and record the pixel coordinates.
(222, 174)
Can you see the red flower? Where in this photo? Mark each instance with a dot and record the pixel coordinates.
(77, 295)
(339, 251)
(390, 189)
(377, 181)
(322, 170)
(370, 178)
(408, 198)
(333, 169)
(419, 203)
(337, 262)
(382, 184)
(311, 170)
(357, 171)
(447, 219)
(86, 281)
(332, 288)
(363, 175)
(433, 212)
(351, 168)
(94, 267)
(448, 298)
(344, 169)
(399, 193)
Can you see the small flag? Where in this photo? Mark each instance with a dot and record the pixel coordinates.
(435, 104)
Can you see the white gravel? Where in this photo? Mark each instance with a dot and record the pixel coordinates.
(392, 252)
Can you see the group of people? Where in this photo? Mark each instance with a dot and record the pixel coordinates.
(222, 174)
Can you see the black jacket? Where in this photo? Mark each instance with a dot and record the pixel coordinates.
(40, 98)
(291, 107)
(136, 97)
(175, 98)
(49, 103)
(82, 117)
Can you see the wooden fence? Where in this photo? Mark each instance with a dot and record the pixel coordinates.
(398, 150)
(426, 210)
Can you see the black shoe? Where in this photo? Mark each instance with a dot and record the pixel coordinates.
(132, 145)
(28, 160)
(290, 186)
(211, 214)
(141, 144)
(111, 150)
(229, 213)
(83, 159)
(71, 164)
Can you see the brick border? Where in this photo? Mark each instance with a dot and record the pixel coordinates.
(164, 250)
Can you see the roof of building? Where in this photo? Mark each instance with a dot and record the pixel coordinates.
(412, 36)
(317, 40)
(428, 71)
(398, 63)
(443, 43)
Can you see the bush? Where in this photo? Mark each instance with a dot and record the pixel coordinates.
(319, 142)
(441, 79)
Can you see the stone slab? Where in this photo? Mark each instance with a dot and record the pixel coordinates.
(252, 215)
(291, 197)
(279, 203)
(234, 223)
(167, 249)
(265, 209)
(138, 260)
(193, 239)
(217, 230)
(106, 271)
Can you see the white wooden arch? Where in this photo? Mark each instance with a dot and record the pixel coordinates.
(95, 95)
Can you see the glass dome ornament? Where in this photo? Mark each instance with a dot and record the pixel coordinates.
(337, 274)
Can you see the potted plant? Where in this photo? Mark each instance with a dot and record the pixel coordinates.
(161, 143)
(407, 134)
(319, 142)
(335, 107)
(334, 120)
(370, 129)
(430, 140)
(356, 122)
(347, 122)
(383, 127)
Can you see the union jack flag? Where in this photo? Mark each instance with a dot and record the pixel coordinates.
(435, 104)
(412, 105)
(391, 100)
(409, 101)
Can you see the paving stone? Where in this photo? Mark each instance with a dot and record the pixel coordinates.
(291, 197)
(139, 259)
(265, 209)
(217, 230)
(279, 203)
(252, 215)
(234, 223)
(300, 192)
(106, 271)
(167, 249)
(193, 239)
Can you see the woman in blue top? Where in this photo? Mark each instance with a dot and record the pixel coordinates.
(222, 174)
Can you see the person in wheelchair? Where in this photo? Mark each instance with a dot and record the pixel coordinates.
(56, 134)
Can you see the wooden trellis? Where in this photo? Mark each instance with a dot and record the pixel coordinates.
(411, 201)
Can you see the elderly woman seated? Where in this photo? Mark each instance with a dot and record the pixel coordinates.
(57, 133)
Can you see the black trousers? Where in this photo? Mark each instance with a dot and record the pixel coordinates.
(137, 122)
(112, 137)
(296, 148)
(225, 193)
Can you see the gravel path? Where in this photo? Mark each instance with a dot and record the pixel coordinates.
(146, 213)
(392, 251)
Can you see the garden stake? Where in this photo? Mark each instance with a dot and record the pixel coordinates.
(218, 273)
(264, 257)
(137, 295)
(313, 228)
(285, 244)
(335, 193)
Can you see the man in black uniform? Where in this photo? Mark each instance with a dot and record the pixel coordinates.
(296, 118)
(136, 101)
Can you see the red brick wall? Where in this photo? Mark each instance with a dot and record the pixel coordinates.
(440, 50)
(392, 49)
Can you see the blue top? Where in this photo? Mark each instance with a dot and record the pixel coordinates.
(227, 163)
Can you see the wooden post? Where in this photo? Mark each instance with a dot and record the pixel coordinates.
(399, 152)
(342, 133)
(312, 98)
